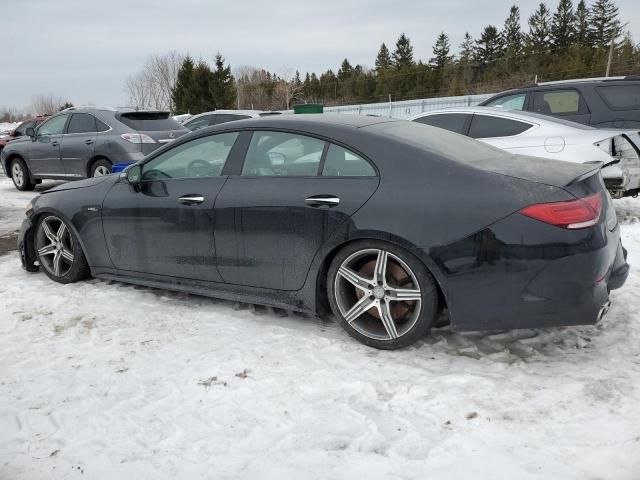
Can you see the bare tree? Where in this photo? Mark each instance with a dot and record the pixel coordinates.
(152, 86)
(254, 87)
(287, 90)
(47, 104)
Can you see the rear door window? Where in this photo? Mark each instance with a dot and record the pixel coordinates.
(559, 102)
(486, 126)
(149, 121)
(620, 97)
(454, 122)
(82, 123)
(512, 102)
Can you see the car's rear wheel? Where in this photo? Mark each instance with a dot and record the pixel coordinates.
(381, 294)
(20, 175)
(101, 168)
(59, 252)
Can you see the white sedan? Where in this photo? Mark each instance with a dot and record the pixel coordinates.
(542, 136)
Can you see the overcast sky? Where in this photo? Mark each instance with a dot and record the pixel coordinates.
(83, 50)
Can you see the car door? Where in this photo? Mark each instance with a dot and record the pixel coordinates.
(78, 144)
(567, 103)
(44, 152)
(164, 225)
(277, 210)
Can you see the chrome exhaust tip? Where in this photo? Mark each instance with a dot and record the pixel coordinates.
(603, 310)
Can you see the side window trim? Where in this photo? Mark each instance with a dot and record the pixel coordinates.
(323, 158)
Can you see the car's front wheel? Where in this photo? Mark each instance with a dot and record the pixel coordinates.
(59, 252)
(381, 294)
(20, 175)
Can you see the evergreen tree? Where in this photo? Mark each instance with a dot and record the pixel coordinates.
(182, 92)
(466, 49)
(604, 23)
(383, 59)
(441, 57)
(222, 85)
(202, 100)
(345, 71)
(581, 37)
(512, 35)
(538, 39)
(403, 54)
(488, 47)
(563, 26)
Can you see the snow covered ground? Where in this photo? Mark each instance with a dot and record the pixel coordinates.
(103, 380)
(7, 127)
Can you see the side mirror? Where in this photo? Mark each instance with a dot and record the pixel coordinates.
(30, 131)
(133, 174)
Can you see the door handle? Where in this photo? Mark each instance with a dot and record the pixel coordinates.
(322, 200)
(191, 199)
(55, 143)
(88, 142)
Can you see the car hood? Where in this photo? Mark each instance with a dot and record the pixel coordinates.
(89, 182)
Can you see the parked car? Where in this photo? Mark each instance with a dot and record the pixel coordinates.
(553, 138)
(216, 117)
(86, 142)
(612, 102)
(20, 129)
(371, 223)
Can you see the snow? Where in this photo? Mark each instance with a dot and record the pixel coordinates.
(116, 381)
(8, 126)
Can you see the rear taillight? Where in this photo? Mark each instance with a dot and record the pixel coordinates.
(572, 214)
(137, 138)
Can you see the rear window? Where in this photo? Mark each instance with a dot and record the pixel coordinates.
(149, 121)
(441, 142)
(621, 97)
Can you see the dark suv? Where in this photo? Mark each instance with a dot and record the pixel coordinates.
(612, 102)
(86, 142)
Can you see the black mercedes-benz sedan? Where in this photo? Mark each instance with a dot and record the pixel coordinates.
(383, 222)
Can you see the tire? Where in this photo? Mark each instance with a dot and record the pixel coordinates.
(58, 251)
(21, 176)
(101, 167)
(387, 314)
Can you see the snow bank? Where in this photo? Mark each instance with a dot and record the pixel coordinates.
(115, 381)
(6, 127)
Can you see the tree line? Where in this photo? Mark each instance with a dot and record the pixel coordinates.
(566, 42)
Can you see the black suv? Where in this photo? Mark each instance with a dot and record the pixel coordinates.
(612, 102)
(82, 142)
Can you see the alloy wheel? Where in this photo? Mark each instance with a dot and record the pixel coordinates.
(17, 173)
(378, 294)
(101, 171)
(54, 245)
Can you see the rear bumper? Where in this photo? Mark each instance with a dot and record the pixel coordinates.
(521, 274)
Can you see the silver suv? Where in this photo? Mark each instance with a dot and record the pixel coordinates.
(86, 142)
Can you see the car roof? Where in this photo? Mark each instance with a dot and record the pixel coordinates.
(251, 113)
(307, 120)
(505, 112)
(628, 80)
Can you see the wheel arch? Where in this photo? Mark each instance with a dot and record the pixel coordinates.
(43, 212)
(321, 294)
